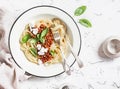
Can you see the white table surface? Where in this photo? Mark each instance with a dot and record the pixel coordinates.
(97, 73)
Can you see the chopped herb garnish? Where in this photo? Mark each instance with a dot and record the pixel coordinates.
(33, 40)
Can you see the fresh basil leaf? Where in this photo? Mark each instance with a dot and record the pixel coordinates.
(26, 38)
(33, 40)
(85, 23)
(42, 40)
(52, 52)
(33, 51)
(38, 36)
(80, 10)
(42, 35)
(44, 32)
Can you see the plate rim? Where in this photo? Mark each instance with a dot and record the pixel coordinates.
(29, 10)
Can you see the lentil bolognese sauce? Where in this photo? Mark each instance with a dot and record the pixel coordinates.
(48, 42)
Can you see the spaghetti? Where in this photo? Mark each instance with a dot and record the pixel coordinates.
(37, 41)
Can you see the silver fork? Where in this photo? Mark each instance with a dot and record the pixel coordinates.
(57, 39)
(79, 62)
(66, 67)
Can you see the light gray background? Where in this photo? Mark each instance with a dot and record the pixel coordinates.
(97, 73)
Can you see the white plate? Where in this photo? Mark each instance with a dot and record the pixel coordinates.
(33, 14)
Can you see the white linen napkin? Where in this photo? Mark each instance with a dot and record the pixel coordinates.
(10, 73)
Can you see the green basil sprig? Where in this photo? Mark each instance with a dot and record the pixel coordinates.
(33, 40)
(44, 32)
(80, 10)
(42, 35)
(25, 38)
(85, 23)
(33, 51)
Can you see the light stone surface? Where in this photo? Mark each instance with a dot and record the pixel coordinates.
(97, 73)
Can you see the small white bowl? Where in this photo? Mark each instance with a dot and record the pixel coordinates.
(111, 47)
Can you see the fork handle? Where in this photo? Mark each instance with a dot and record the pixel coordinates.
(79, 62)
(66, 67)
